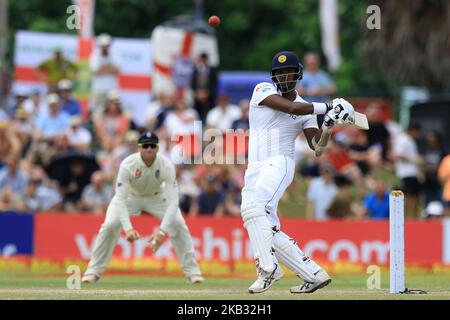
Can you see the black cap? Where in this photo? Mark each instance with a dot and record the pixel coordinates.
(148, 137)
(286, 59)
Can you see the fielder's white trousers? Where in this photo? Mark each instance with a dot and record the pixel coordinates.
(110, 231)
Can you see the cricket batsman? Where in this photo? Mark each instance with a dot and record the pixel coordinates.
(145, 182)
(277, 116)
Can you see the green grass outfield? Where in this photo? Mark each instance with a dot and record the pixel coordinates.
(348, 287)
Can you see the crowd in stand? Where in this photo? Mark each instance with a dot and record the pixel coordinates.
(54, 158)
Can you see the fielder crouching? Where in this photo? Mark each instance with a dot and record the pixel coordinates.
(146, 182)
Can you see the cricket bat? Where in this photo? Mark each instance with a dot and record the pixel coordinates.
(361, 121)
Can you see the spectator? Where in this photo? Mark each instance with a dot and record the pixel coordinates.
(55, 69)
(39, 197)
(204, 84)
(67, 102)
(105, 73)
(222, 116)
(10, 201)
(378, 134)
(53, 123)
(367, 158)
(79, 137)
(316, 85)
(3, 115)
(181, 120)
(9, 142)
(20, 96)
(73, 184)
(343, 205)
(338, 156)
(321, 193)
(34, 105)
(407, 162)
(305, 158)
(44, 192)
(444, 177)
(112, 162)
(23, 127)
(211, 200)
(13, 98)
(242, 122)
(432, 157)
(96, 195)
(158, 110)
(12, 176)
(376, 203)
(189, 190)
(236, 173)
(111, 128)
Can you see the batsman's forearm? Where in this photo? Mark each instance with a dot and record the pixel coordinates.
(319, 146)
(302, 108)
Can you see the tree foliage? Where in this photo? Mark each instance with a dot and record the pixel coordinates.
(251, 32)
(412, 46)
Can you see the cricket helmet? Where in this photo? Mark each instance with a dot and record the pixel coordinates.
(286, 60)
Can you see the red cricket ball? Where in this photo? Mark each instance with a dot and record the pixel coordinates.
(214, 21)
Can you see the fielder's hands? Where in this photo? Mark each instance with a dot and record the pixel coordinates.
(342, 112)
(132, 235)
(157, 239)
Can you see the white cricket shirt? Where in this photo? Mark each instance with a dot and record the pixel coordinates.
(136, 179)
(273, 132)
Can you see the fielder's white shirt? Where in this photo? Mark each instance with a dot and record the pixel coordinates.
(136, 179)
(272, 132)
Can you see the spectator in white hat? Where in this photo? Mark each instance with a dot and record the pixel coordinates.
(68, 103)
(35, 105)
(105, 73)
(55, 122)
(80, 138)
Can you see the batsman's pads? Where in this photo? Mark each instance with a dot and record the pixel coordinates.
(287, 252)
(259, 229)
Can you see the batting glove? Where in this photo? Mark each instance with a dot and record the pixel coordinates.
(342, 111)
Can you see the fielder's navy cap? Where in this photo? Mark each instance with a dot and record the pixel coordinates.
(285, 59)
(148, 137)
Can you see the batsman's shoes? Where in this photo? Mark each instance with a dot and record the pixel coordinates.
(266, 279)
(90, 278)
(196, 278)
(322, 280)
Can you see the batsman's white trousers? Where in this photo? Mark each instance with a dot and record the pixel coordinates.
(110, 231)
(270, 179)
